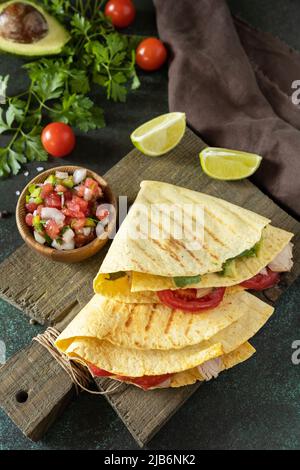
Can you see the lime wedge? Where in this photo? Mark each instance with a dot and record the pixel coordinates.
(226, 164)
(160, 135)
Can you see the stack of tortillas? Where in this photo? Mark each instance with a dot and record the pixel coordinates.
(128, 331)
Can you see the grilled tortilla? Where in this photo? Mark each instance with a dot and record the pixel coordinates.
(146, 242)
(141, 326)
(89, 342)
(137, 287)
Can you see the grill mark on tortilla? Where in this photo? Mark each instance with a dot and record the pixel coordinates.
(214, 237)
(180, 244)
(170, 239)
(152, 312)
(169, 252)
(235, 214)
(221, 222)
(188, 327)
(210, 253)
(129, 317)
(169, 322)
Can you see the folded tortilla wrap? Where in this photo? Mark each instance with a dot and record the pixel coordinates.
(157, 236)
(89, 346)
(144, 326)
(137, 287)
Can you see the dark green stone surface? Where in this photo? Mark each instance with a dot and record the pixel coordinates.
(254, 406)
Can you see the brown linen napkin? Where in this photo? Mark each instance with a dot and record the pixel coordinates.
(234, 84)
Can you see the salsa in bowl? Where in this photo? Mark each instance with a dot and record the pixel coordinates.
(66, 213)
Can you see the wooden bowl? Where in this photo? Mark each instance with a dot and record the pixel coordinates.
(67, 256)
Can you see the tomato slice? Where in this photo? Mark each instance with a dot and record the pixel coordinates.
(262, 281)
(145, 382)
(97, 372)
(188, 302)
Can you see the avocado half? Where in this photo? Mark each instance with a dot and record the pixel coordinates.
(51, 40)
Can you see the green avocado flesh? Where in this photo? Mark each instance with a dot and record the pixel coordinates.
(27, 29)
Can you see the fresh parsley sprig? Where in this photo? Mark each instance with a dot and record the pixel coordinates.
(96, 55)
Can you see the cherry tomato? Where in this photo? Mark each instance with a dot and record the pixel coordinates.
(28, 219)
(121, 12)
(262, 281)
(53, 200)
(151, 54)
(192, 304)
(58, 139)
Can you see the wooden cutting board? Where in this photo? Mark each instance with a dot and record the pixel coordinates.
(34, 389)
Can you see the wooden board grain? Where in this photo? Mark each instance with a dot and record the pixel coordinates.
(58, 298)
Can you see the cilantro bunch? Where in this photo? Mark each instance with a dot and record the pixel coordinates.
(58, 90)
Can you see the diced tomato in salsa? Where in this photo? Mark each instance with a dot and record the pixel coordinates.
(39, 209)
(31, 206)
(81, 239)
(59, 188)
(28, 219)
(47, 189)
(77, 224)
(75, 202)
(53, 200)
(52, 229)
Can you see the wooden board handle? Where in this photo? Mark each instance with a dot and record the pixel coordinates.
(34, 390)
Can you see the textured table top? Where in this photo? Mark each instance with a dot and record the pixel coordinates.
(254, 406)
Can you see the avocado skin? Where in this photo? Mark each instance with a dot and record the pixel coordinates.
(51, 44)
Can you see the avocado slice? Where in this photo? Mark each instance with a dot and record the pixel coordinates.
(27, 29)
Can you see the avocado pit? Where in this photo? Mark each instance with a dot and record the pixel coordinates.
(22, 23)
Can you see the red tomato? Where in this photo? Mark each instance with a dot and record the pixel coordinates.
(59, 188)
(175, 299)
(83, 205)
(46, 190)
(97, 372)
(81, 240)
(68, 195)
(151, 54)
(39, 209)
(28, 219)
(31, 206)
(58, 139)
(262, 281)
(80, 190)
(74, 214)
(78, 224)
(52, 229)
(53, 200)
(121, 12)
(147, 381)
